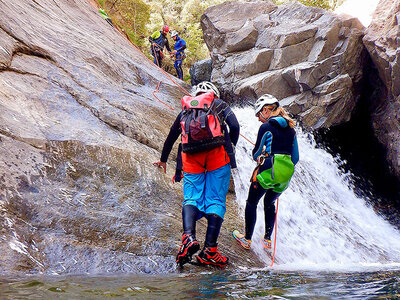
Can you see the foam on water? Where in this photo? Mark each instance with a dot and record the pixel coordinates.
(322, 224)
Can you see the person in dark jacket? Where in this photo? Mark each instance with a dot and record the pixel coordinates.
(179, 53)
(205, 182)
(158, 41)
(276, 152)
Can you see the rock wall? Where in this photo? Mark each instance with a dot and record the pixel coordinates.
(382, 39)
(309, 58)
(79, 130)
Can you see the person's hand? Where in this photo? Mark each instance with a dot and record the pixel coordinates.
(161, 164)
(178, 176)
(173, 52)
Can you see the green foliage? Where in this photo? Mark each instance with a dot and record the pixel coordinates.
(325, 4)
(131, 16)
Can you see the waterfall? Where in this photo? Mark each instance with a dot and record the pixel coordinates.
(322, 224)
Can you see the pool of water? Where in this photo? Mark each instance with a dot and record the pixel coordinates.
(210, 283)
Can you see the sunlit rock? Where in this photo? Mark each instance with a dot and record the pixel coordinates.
(311, 56)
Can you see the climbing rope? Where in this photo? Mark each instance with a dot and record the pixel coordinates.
(156, 91)
(276, 229)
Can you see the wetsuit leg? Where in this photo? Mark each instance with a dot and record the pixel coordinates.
(178, 68)
(213, 229)
(255, 193)
(269, 212)
(190, 214)
(159, 58)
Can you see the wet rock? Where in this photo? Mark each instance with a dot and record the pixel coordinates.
(79, 131)
(382, 39)
(200, 71)
(307, 57)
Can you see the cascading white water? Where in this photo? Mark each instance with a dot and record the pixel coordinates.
(322, 224)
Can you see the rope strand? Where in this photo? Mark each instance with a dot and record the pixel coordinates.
(276, 229)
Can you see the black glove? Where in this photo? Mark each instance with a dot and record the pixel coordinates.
(178, 176)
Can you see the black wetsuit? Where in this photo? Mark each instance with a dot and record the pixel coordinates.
(278, 137)
(161, 41)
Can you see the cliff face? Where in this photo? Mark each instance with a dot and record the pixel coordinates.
(79, 130)
(307, 57)
(382, 39)
(312, 60)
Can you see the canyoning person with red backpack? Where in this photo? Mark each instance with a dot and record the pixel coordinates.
(179, 53)
(207, 158)
(276, 152)
(158, 41)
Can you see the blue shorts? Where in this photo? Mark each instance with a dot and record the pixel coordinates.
(207, 191)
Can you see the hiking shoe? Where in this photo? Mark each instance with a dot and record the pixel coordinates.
(189, 247)
(246, 244)
(211, 256)
(267, 244)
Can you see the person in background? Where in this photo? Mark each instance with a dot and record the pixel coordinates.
(105, 16)
(158, 41)
(276, 152)
(179, 53)
(207, 169)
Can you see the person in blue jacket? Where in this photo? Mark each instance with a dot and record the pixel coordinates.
(158, 41)
(180, 46)
(276, 152)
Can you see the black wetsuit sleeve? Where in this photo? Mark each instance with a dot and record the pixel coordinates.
(179, 163)
(167, 44)
(173, 135)
(234, 128)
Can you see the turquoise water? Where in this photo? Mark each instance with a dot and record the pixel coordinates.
(210, 283)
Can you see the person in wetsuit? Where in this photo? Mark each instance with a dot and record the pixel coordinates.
(179, 53)
(158, 41)
(205, 183)
(276, 152)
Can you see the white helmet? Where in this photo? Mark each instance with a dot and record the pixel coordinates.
(265, 99)
(206, 86)
(174, 33)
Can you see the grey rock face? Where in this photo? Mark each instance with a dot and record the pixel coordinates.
(200, 71)
(307, 57)
(382, 39)
(79, 131)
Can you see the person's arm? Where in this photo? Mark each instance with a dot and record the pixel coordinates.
(264, 138)
(295, 151)
(173, 135)
(232, 122)
(166, 43)
(182, 46)
(179, 166)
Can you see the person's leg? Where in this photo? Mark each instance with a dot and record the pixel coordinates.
(190, 214)
(255, 193)
(193, 205)
(159, 58)
(194, 190)
(178, 68)
(216, 188)
(269, 212)
(213, 229)
(210, 254)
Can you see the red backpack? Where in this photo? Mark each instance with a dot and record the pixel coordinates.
(201, 126)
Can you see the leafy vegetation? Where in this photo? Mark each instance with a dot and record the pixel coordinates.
(138, 19)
